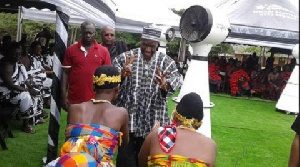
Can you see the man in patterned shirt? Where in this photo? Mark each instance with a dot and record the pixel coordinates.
(148, 79)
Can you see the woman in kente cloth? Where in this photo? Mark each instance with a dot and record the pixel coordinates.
(179, 144)
(95, 128)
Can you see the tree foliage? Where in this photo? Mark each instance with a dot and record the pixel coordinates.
(252, 49)
(173, 47)
(222, 48)
(133, 39)
(31, 28)
(179, 12)
(8, 24)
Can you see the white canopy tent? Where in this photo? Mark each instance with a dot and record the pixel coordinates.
(127, 19)
(100, 12)
(48, 16)
(133, 15)
(267, 23)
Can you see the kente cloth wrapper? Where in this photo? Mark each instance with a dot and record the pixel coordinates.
(167, 137)
(97, 140)
(76, 159)
(175, 161)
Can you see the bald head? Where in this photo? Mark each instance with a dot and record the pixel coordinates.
(107, 28)
(108, 35)
(88, 33)
(86, 23)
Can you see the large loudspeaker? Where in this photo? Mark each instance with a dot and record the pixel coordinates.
(203, 27)
(195, 24)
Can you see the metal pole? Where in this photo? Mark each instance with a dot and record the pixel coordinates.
(264, 58)
(182, 49)
(19, 29)
(260, 57)
(72, 36)
(75, 34)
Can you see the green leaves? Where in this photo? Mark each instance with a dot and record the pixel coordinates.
(9, 25)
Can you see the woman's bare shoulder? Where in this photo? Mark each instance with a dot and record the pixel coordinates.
(118, 111)
(206, 140)
(77, 106)
(83, 103)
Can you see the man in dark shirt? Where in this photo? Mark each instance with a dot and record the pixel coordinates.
(114, 47)
(270, 61)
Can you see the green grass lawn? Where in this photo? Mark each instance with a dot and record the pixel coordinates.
(248, 133)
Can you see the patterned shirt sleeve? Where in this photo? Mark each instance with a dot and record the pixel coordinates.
(173, 78)
(118, 61)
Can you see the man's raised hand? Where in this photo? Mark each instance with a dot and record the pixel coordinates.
(126, 70)
(161, 79)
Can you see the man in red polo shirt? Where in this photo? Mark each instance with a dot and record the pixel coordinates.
(79, 65)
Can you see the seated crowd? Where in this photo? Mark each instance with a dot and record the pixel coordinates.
(25, 80)
(243, 78)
